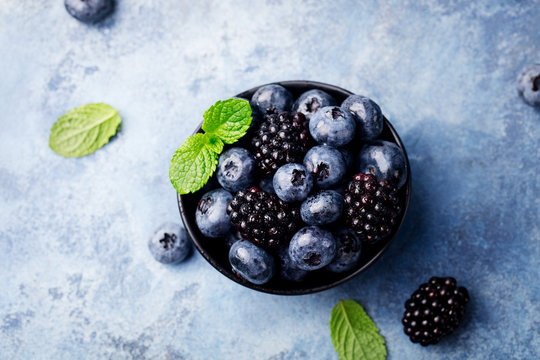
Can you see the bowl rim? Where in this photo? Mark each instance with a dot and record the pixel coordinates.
(192, 231)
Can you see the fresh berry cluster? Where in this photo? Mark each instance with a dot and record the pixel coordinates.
(311, 187)
(434, 310)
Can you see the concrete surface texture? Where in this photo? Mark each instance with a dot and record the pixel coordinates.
(77, 280)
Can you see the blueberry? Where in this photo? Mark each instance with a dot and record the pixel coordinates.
(311, 101)
(326, 164)
(287, 270)
(312, 248)
(368, 116)
(267, 184)
(236, 169)
(251, 262)
(89, 11)
(528, 84)
(292, 182)
(322, 208)
(383, 159)
(211, 214)
(347, 251)
(333, 126)
(170, 244)
(270, 98)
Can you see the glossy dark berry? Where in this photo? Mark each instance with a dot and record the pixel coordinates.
(170, 244)
(332, 126)
(309, 102)
(383, 159)
(251, 262)
(312, 248)
(528, 84)
(89, 11)
(281, 139)
(368, 116)
(236, 169)
(292, 182)
(271, 98)
(263, 218)
(434, 310)
(371, 207)
(211, 213)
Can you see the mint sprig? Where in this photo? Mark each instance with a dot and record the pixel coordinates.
(83, 130)
(354, 334)
(196, 159)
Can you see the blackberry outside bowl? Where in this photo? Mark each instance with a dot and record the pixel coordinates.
(215, 251)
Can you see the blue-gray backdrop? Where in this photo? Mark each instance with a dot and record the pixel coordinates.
(77, 280)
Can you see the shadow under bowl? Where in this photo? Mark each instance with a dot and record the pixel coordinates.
(215, 251)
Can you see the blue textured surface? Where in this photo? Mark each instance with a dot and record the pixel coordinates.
(77, 280)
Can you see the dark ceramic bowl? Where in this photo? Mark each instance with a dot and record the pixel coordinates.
(215, 251)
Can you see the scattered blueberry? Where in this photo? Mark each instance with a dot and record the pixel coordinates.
(322, 208)
(383, 159)
(170, 244)
(251, 262)
(288, 271)
(326, 164)
(528, 84)
(292, 182)
(236, 169)
(312, 248)
(267, 184)
(368, 116)
(332, 126)
(309, 102)
(271, 98)
(89, 11)
(211, 214)
(348, 251)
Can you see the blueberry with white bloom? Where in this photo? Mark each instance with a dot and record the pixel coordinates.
(367, 114)
(170, 243)
(211, 213)
(312, 248)
(292, 182)
(326, 164)
(236, 169)
(251, 262)
(332, 126)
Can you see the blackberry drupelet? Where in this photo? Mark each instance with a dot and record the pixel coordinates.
(434, 310)
(263, 218)
(281, 139)
(371, 207)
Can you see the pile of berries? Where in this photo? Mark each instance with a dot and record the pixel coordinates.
(311, 186)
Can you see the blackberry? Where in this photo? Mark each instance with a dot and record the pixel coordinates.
(281, 139)
(263, 218)
(371, 207)
(434, 310)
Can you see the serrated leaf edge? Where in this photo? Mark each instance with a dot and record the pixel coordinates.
(60, 122)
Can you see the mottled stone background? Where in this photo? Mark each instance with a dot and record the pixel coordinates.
(77, 281)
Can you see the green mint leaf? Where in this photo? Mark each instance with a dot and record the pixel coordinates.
(194, 162)
(83, 130)
(214, 143)
(228, 120)
(354, 334)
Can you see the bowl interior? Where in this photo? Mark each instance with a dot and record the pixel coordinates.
(215, 251)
